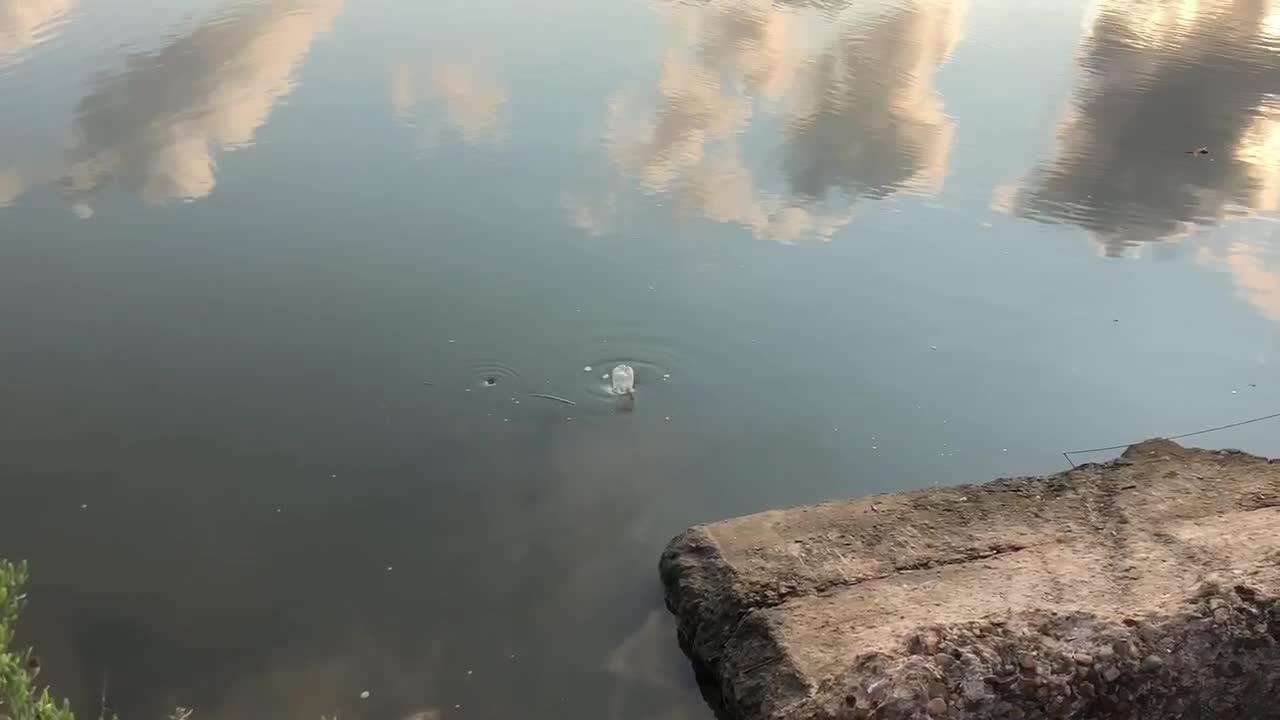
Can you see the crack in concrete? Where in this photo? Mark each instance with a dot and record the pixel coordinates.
(773, 599)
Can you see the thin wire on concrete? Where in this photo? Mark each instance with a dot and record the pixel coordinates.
(1068, 453)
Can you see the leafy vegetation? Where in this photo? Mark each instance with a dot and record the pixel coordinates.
(20, 698)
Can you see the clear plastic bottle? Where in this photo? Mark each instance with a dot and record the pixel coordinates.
(623, 380)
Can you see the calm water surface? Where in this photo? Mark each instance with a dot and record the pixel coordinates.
(278, 279)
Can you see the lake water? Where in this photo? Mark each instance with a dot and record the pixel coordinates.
(279, 279)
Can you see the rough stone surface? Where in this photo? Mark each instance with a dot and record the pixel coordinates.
(1143, 589)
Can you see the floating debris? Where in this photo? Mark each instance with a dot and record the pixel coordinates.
(490, 381)
(84, 506)
(586, 369)
(365, 695)
(1199, 151)
(623, 380)
(545, 396)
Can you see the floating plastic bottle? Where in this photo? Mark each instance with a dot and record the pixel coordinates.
(623, 380)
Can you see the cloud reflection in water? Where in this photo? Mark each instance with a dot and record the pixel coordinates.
(472, 98)
(26, 23)
(1156, 79)
(853, 111)
(155, 126)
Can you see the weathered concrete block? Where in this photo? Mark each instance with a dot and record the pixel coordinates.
(1144, 588)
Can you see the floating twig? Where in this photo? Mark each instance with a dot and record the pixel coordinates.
(545, 396)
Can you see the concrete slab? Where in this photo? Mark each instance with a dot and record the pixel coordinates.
(1144, 588)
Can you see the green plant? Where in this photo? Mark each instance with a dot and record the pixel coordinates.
(20, 698)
